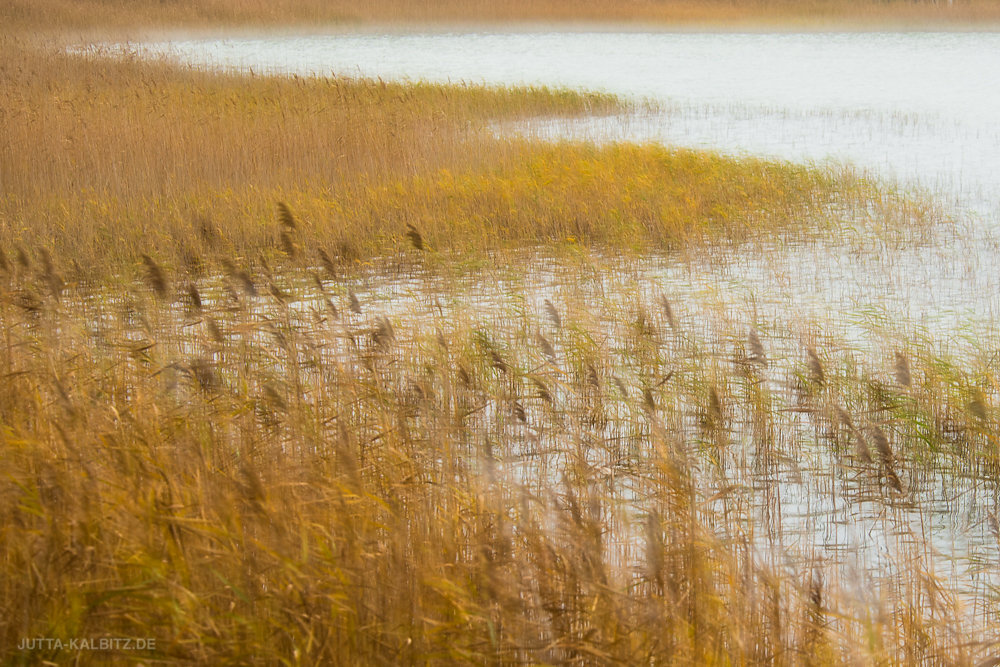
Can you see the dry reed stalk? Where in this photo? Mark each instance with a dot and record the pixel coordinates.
(553, 314)
(816, 374)
(416, 239)
(886, 457)
(668, 312)
(756, 348)
(155, 276)
(902, 370)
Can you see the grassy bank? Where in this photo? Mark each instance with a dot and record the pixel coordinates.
(106, 161)
(103, 15)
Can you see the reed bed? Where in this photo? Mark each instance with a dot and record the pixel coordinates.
(105, 160)
(409, 469)
(321, 371)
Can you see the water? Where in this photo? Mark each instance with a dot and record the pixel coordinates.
(918, 108)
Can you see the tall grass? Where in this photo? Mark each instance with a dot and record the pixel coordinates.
(257, 404)
(326, 472)
(103, 161)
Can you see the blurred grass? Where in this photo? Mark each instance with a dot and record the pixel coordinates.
(339, 473)
(248, 456)
(103, 15)
(105, 160)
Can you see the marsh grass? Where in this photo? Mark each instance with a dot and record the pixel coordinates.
(106, 160)
(109, 151)
(280, 477)
(280, 384)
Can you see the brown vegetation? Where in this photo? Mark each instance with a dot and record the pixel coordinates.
(256, 404)
(106, 15)
(103, 161)
(252, 468)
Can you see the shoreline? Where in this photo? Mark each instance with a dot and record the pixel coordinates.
(244, 31)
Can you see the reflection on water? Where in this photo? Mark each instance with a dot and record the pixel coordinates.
(778, 472)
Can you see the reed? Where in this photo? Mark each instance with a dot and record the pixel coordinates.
(319, 474)
(108, 160)
(289, 375)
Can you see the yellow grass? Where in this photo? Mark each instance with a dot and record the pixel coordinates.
(249, 469)
(313, 475)
(105, 161)
(47, 15)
